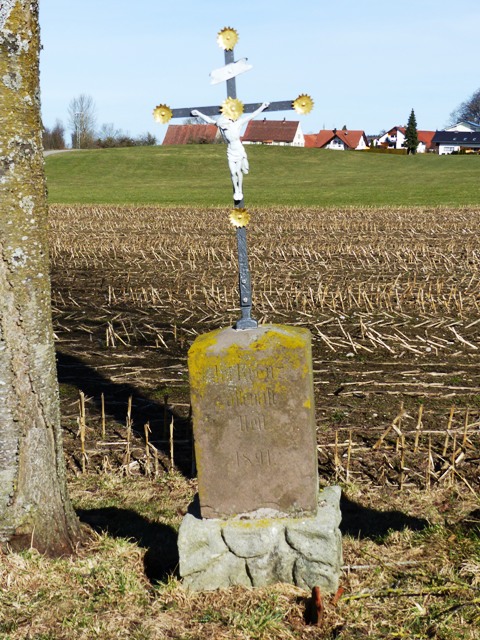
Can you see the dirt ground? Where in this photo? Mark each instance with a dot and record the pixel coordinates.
(391, 297)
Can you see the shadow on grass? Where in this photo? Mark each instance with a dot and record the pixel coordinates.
(471, 522)
(159, 540)
(73, 371)
(362, 522)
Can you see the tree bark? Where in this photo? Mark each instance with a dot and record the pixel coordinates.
(34, 506)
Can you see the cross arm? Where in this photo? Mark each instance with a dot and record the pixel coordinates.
(282, 105)
(186, 112)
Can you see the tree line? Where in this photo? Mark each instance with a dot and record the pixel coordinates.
(82, 124)
(84, 134)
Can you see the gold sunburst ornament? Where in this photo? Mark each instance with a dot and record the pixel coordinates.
(239, 217)
(162, 113)
(303, 104)
(227, 38)
(232, 108)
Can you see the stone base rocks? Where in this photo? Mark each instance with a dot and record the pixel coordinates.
(259, 550)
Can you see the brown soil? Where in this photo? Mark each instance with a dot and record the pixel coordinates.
(391, 298)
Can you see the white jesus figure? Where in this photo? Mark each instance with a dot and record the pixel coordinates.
(236, 154)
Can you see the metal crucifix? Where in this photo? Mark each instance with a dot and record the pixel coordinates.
(230, 124)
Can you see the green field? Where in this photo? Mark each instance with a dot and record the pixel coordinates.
(198, 175)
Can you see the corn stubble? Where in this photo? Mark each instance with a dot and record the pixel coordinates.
(390, 295)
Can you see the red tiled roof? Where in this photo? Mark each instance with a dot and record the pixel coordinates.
(351, 139)
(271, 131)
(311, 139)
(426, 137)
(186, 133)
(324, 136)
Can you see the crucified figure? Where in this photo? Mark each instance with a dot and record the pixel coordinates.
(236, 154)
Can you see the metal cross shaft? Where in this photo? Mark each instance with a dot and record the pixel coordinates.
(244, 284)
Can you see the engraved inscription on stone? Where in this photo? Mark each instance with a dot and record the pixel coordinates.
(253, 420)
(257, 458)
(252, 423)
(251, 398)
(240, 373)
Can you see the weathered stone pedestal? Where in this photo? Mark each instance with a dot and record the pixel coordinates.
(260, 517)
(307, 552)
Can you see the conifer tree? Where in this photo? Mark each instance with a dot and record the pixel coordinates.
(411, 134)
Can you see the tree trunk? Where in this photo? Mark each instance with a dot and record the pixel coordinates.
(34, 506)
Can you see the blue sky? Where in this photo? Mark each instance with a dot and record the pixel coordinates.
(366, 63)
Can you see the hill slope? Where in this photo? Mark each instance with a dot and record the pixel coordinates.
(198, 175)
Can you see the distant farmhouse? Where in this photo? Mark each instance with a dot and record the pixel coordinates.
(464, 125)
(340, 140)
(395, 139)
(274, 132)
(191, 134)
(463, 136)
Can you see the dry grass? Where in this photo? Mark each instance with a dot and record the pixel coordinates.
(402, 584)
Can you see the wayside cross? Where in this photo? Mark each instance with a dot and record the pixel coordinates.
(230, 123)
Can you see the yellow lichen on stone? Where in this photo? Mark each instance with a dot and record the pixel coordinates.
(251, 523)
(278, 348)
(288, 337)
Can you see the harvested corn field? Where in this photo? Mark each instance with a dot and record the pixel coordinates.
(391, 296)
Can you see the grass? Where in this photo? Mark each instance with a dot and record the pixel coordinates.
(197, 175)
(404, 584)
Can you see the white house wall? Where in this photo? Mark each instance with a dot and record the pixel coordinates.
(336, 144)
(361, 145)
(397, 141)
(447, 149)
(392, 138)
(400, 140)
(299, 138)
